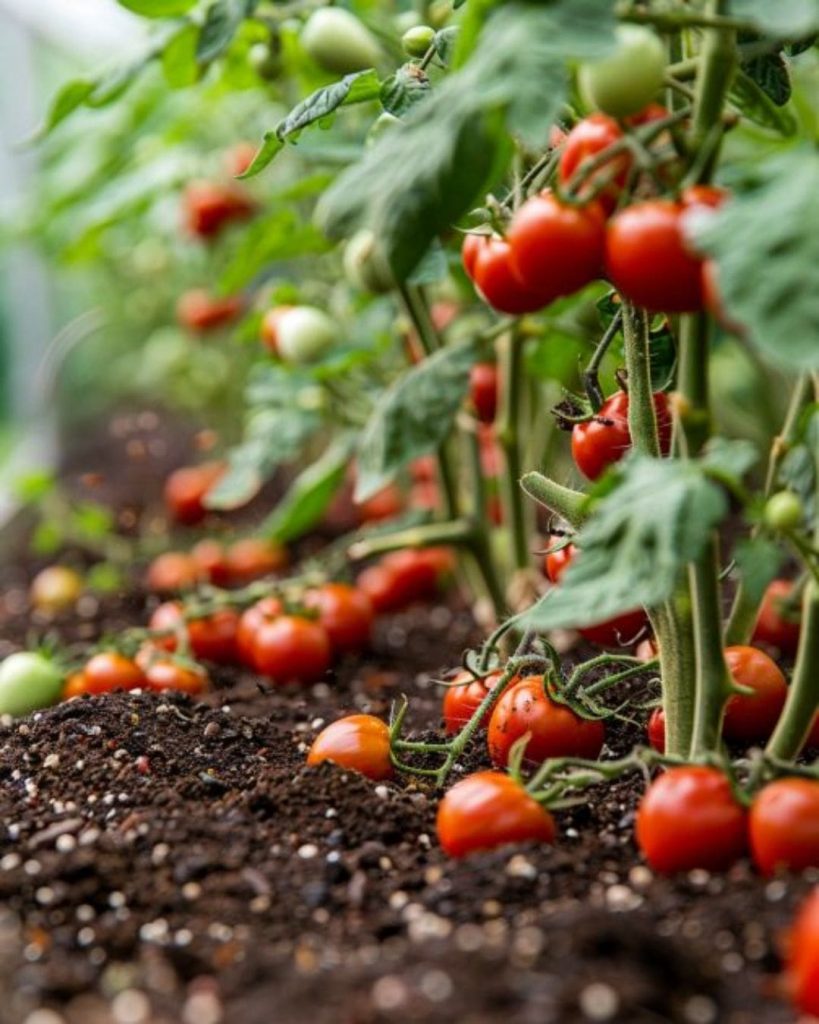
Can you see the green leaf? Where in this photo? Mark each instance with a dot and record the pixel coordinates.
(758, 561)
(752, 101)
(630, 560)
(310, 494)
(31, 488)
(401, 91)
(221, 24)
(278, 235)
(179, 58)
(92, 521)
(729, 461)
(432, 267)
(47, 538)
(784, 19)
(445, 41)
(72, 95)
(770, 72)
(158, 8)
(414, 416)
(766, 246)
(104, 578)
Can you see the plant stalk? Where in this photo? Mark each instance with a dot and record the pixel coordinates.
(512, 403)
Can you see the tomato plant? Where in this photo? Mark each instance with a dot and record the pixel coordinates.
(359, 742)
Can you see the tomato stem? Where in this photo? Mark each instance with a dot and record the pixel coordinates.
(511, 414)
(562, 501)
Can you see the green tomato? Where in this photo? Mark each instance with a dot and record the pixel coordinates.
(28, 681)
(265, 61)
(338, 42)
(628, 80)
(366, 265)
(416, 41)
(305, 334)
(784, 511)
(439, 13)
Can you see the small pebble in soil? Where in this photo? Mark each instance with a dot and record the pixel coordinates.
(599, 1002)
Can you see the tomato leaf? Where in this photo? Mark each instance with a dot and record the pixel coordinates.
(756, 104)
(758, 562)
(401, 91)
(158, 8)
(414, 416)
(278, 235)
(785, 19)
(770, 72)
(179, 64)
(222, 20)
(73, 94)
(766, 246)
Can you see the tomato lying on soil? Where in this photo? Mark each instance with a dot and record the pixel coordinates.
(186, 489)
(292, 649)
(778, 625)
(463, 697)
(751, 718)
(75, 686)
(211, 560)
(211, 638)
(802, 969)
(111, 671)
(403, 577)
(345, 612)
(689, 818)
(483, 391)
(556, 731)
(173, 571)
(252, 557)
(490, 809)
(55, 589)
(359, 742)
(163, 673)
(784, 825)
(605, 439)
(384, 504)
(249, 622)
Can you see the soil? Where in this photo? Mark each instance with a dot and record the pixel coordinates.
(165, 860)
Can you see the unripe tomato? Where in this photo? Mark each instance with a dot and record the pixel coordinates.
(250, 620)
(173, 571)
(589, 137)
(199, 311)
(28, 681)
(689, 818)
(305, 334)
(483, 391)
(209, 206)
(366, 265)
(211, 561)
(784, 826)
(252, 557)
(464, 695)
(292, 649)
(605, 438)
(163, 673)
(186, 489)
(239, 157)
(55, 589)
(556, 249)
(497, 282)
(270, 328)
(803, 957)
(628, 79)
(487, 810)
(778, 625)
(112, 671)
(751, 718)
(784, 511)
(345, 612)
(656, 730)
(358, 742)
(338, 42)
(556, 731)
(265, 60)
(417, 40)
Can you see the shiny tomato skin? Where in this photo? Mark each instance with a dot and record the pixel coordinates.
(469, 253)
(415, 574)
(211, 558)
(379, 584)
(605, 439)
(498, 283)
(487, 810)
(774, 626)
(483, 391)
(346, 613)
(214, 637)
(802, 970)
(164, 673)
(647, 259)
(186, 488)
(208, 207)
(167, 618)
(656, 730)
(252, 557)
(557, 562)
(750, 719)
(556, 731)
(589, 137)
(784, 826)
(292, 649)
(358, 742)
(556, 249)
(464, 695)
(249, 622)
(173, 571)
(75, 686)
(689, 818)
(199, 311)
(111, 671)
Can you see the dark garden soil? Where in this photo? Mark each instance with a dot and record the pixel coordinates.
(163, 860)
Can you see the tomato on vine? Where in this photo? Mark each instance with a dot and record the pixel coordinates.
(499, 284)
(487, 810)
(358, 742)
(589, 138)
(626, 80)
(164, 673)
(248, 559)
(604, 439)
(464, 695)
(345, 612)
(779, 620)
(210, 206)
(199, 311)
(751, 717)
(211, 637)
(483, 391)
(784, 825)
(173, 571)
(251, 619)
(292, 649)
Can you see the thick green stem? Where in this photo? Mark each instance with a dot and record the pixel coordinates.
(718, 63)
(694, 413)
(562, 501)
(642, 419)
(674, 629)
(512, 403)
(803, 694)
(455, 531)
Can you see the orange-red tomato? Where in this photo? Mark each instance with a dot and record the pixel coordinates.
(606, 438)
(212, 638)
(358, 742)
(186, 489)
(656, 730)
(291, 648)
(345, 612)
(750, 718)
(209, 206)
(110, 670)
(469, 253)
(556, 731)
(251, 618)
(499, 284)
(802, 969)
(689, 818)
(378, 583)
(403, 577)
(252, 557)
(784, 826)
(173, 571)
(211, 558)
(557, 562)
(490, 809)
(712, 299)
(483, 391)
(270, 328)
(385, 504)
(777, 625)
(463, 697)
(199, 311)
(75, 686)
(163, 673)
(586, 140)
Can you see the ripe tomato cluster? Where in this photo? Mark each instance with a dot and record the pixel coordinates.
(209, 561)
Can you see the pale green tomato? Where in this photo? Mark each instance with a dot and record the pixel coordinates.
(784, 511)
(339, 42)
(416, 41)
(28, 681)
(305, 334)
(628, 80)
(366, 265)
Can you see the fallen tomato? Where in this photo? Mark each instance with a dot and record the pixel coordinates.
(292, 649)
(358, 742)
(345, 612)
(173, 571)
(186, 489)
(250, 620)
(464, 695)
(109, 671)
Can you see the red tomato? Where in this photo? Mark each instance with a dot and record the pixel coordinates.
(252, 557)
(605, 438)
(556, 249)
(210, 558)
(346, 613)
(556, 562)
(416, 573)
(111, 671)
(803, 956)
(187, 488)
(384, 504)
(483, 391)
(589, 137)
(498, 283)
(270, 328)
(463, 697)
(163, 673)
(784, 826)
(557, 136)
(490, 809)
(239, 157)
(689, 818)
(648, 261)
(378, 583)
(656, 730)
(777, 625)
(198, 310)
(556, 731)
(469, 253)
(359, 742)
(292, 649)
(709, 196)
(173, 571)
(210, 206)
(212, 638)
(653, 112)
(749, 719)
(249, 622)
